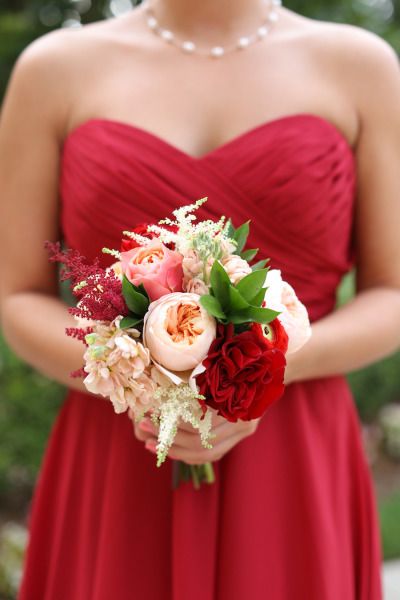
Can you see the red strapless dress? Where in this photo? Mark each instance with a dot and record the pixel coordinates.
(292, 515)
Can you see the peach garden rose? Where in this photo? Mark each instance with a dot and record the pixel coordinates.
(178, 331)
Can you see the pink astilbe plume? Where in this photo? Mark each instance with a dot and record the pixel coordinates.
(100, 295)
(79, 333)
(78, 373)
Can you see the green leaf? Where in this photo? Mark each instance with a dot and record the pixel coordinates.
(239, 319)
(237, 302)
(135, 301)
(230, 230)
(250, 285)
(259, 265)
(220, 284)
(258, 298)
(249, 254)
(127, 322)
(241, 235)
(212, 306)
(258, 315)
(141, 289)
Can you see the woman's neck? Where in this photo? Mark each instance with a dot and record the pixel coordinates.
(209, 19)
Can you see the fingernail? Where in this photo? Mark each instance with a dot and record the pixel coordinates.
(147, 426)
(151, 446)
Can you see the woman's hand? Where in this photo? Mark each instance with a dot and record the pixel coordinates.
(293, 366)
(187, 446)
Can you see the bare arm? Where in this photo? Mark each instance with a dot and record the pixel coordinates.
(31, 128)
(368, 327)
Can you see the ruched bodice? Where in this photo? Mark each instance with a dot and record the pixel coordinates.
(294, 177)
(292, 514)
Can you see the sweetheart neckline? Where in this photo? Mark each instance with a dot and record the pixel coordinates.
(221, 147)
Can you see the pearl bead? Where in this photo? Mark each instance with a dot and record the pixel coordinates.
(188, 46)
(217, 51)
(243, 42)
(152, 22)
(273, 17)
(262, 31)
(167, 35)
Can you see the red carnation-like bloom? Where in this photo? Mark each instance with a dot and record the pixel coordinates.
(244, 374)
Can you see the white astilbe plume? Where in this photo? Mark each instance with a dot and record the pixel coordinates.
(175, 403)
(139, 239)
(208, 238)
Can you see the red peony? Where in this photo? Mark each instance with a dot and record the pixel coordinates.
(244, 374)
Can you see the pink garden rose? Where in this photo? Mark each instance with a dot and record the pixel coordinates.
(154, 265)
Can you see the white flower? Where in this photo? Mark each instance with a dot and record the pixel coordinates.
(178, 331)
(118, 367)
(227, 247)
(194, 268)
(236, 267)
(280, 296)
(196, 286)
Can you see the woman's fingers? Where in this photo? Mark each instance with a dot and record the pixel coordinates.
(145, 430)
(216, 420)
(187, 444)
(225, 437)
(198, 457)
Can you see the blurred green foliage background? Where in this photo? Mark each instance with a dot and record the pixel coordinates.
(28, 402)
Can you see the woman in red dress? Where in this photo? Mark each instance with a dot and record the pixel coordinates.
(291, 122)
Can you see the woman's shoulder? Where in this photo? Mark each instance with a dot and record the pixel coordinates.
(67, 45)
(59, 63)
(360, 61)
(345, 43)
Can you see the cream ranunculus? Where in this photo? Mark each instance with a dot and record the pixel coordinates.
(196, 286)
(293, 315)
(178, 331)
(236, 267)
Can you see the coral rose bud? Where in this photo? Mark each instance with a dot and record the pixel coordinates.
(178, 331)
(156, 266)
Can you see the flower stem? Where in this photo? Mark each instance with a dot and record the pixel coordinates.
(209, 473)
(196, 476)
(199, 474)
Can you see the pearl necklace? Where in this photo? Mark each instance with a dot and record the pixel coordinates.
(189, 47)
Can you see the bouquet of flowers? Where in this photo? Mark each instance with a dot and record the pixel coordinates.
(181, 324)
